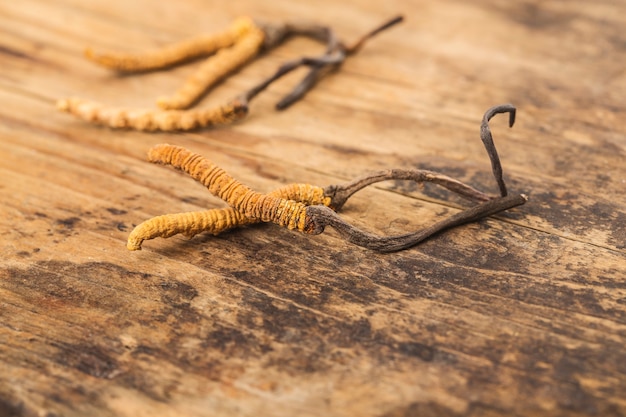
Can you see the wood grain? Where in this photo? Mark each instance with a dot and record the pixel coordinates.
(520, 314)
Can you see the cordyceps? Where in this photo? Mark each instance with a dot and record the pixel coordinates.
(309, 208)
(229, 51)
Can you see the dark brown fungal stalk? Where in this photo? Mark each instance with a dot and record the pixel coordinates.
(340, 194)
(485, 136)
(336, 53)
(321, 216)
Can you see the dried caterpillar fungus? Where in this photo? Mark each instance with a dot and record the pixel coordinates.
(233, 48)
(314, 211)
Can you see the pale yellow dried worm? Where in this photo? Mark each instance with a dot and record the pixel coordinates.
(173, 54)
(152, 120)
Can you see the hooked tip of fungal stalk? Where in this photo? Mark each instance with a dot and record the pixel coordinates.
(501, 108)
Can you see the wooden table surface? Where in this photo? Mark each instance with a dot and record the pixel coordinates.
(520, 314)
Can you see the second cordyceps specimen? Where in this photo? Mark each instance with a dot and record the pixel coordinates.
(230, 50)
(309, 208)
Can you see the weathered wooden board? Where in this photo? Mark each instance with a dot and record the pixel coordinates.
(521, 314)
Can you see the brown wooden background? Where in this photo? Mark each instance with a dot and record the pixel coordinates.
(523, 314)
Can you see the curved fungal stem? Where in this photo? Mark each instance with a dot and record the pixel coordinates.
(307, 83)
(341, 193)
(487, 139)
(282, 70)
(322, 216)
(336, 54)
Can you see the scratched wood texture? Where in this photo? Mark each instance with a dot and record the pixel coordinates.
(521, 314)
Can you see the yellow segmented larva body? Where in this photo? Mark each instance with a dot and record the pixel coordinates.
(287, 213)
(152, 120)
(215, 68)
(307, 194)
(175, 53)
(189, 224)
(216, 221)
